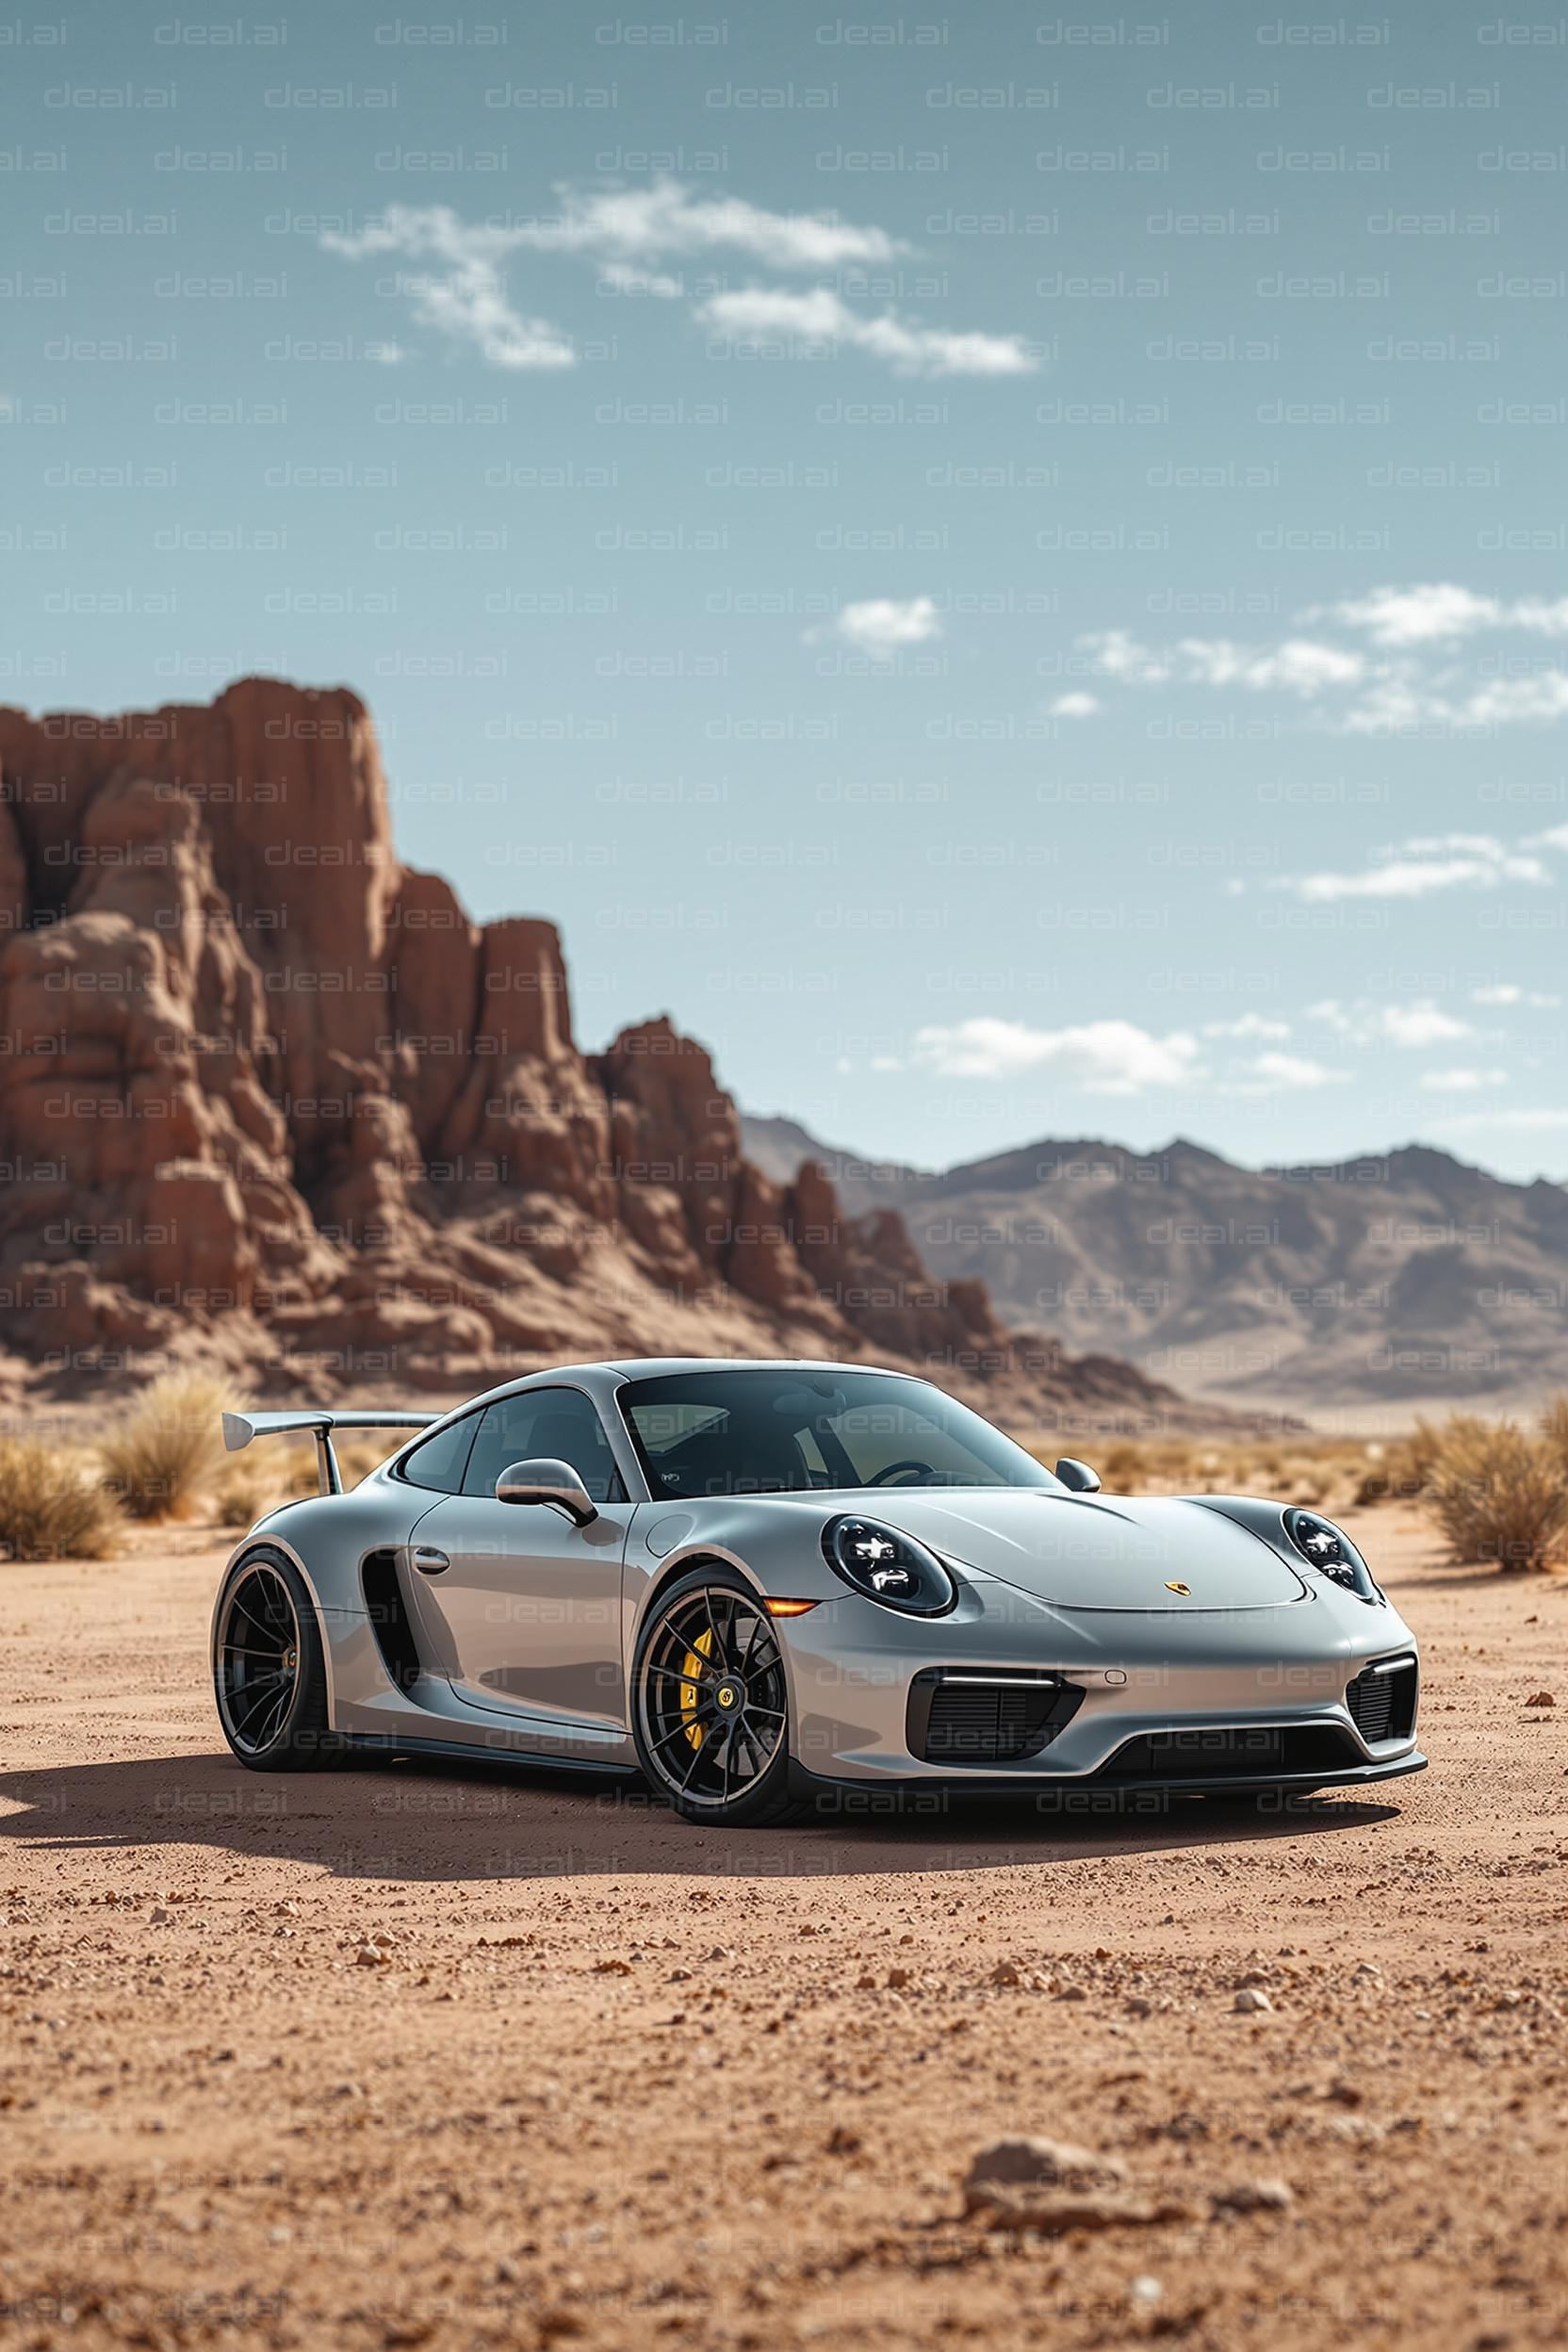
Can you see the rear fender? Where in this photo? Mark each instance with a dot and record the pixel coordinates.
(259, 1548)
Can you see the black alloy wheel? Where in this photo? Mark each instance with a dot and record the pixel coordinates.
(711, 1702)
(268, 1670)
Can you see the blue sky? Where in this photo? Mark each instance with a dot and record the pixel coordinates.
(1009, 573)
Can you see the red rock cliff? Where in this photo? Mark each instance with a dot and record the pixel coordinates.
(270, 1095)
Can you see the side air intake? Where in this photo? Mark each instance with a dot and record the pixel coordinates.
(394, 1635)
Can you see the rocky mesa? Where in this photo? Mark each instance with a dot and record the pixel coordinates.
(270, 1100)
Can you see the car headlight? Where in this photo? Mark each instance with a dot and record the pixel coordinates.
(1330, 1550)
(885, 1565)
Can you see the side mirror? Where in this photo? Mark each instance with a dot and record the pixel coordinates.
(548, 1481)
(1076, 1475)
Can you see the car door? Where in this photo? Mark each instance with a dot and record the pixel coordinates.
(521, 1608)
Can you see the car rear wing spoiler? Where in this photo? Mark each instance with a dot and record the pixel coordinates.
(319, 1422)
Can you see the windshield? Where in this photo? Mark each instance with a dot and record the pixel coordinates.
(788, 1432)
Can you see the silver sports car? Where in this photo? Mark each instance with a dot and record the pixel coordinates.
(775, 1585)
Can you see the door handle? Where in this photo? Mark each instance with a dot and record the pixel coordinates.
(429, 1561)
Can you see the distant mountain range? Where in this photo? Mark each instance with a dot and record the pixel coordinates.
(1403, 1280)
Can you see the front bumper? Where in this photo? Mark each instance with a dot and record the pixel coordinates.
(1154, 1689)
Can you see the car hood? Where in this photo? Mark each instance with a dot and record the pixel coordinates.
(1081, 1551)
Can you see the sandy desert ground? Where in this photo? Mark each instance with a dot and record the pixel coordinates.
(408, 2057)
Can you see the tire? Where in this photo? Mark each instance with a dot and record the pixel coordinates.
(269, 1668)
(713, 1741)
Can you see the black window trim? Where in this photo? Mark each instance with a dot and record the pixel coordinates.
(476, 1412)
(547, 1388)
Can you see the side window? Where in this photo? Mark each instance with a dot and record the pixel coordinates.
(559, 1424)
(437, 1462)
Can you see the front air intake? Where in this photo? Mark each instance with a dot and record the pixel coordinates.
(1202, 1753)
(1382, 1700)
(956, 1716)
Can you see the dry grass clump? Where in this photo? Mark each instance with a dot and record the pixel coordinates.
(51, 1507)
(161, 1454)
(1397, 1473)
(1310, 1470)
(270, 1472)
(1554, 1426)
(239, 1503)
(280, 1473)
(1499, 1492)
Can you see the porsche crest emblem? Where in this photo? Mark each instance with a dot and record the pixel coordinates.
(1185, 1590)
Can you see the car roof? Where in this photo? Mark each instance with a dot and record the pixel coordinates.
(647, 1368)
(656, 1367)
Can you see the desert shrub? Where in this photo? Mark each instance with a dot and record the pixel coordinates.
(1553, 1426)
(1422, 1448)
(1302, 1480)
(357, 1458)
(274, 1473)
(160, 1454)
(1399, 1471)
(1497, 1492)
(51, 1508)
(240, 1502)
(1378, 1481)
(1304, 1469)
(1120, 1465)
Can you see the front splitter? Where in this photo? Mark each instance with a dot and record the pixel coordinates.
(1090, 1791)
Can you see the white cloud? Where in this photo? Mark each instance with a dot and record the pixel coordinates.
(1119, 1057)
(1298, 666)
(1074, 706)
(1440, 611)
(624, 277)
(1462, 1081)
(385, 355)
(1377, 686)
(634, 226)
(470, 304)
(1412, 1026)
(1419, 616)
(1247, 1025)
(1102, 1056)
(755, 314)
(1281, 1073)
(1417, 1025)
(883, 623)
(1509, 992)
(1442, 861)
(645, 224)
(1394, 706)
(628, 235)
(1556, 838)
(466, 299)
(1119, 655)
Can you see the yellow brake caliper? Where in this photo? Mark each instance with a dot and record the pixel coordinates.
(692, 1666)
